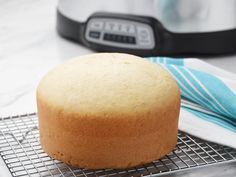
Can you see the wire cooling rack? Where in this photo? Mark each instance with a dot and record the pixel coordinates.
(23, 155)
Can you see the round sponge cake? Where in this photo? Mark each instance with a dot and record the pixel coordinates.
(108, 110)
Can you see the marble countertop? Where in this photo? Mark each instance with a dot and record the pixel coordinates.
(30, 46)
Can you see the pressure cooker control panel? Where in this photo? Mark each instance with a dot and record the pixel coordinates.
(119, 33)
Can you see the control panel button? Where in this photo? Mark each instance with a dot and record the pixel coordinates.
(144, 36)
(110, 26)
(96, 24)
(131, 40)
(126, 28)
(94, 34)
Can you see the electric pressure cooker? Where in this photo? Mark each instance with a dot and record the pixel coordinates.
(150, 27)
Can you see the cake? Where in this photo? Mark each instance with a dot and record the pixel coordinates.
(108, 110)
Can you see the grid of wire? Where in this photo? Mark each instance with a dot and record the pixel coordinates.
(23, 155)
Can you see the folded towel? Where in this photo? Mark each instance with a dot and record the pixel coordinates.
(208, 99)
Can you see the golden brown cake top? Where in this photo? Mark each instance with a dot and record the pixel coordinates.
(105, 83)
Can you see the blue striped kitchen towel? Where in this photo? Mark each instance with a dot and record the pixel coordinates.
(208, 99)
